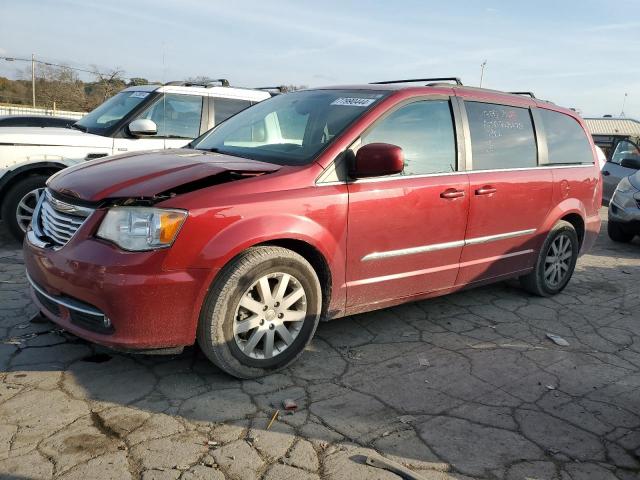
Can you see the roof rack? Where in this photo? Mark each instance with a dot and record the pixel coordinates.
(419, 80)
(213, 83)
(272, 90)
(528, 94)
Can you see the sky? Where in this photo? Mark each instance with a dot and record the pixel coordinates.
(577, 53)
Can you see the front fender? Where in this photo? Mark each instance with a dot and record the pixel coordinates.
(241, 233)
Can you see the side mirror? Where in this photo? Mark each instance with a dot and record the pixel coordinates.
(633, 162)
(143, 127)
(377, 160)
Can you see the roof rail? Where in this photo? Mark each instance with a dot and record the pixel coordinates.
(419, 80)
(212, 83)
(528, 94)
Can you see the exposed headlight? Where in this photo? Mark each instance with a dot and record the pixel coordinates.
(141, 228)
(625, 186)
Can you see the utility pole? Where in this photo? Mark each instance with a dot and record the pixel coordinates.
(482, 65)
(33, 79)
(624, 101)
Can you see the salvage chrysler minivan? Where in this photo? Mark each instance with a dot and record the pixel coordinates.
(314, 204)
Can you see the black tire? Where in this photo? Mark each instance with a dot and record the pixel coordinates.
(618, 232)
(216, 325)
(537, 282)
(12, 199)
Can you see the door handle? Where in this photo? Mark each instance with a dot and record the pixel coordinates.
(486, 190)
(452, 193)
(605, 173)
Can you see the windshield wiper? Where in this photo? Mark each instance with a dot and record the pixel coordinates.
(82, 128)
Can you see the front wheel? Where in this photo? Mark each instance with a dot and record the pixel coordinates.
(20, 202)
(261, 312)
(556, 262)
(618, 232)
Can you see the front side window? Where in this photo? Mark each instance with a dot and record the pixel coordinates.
(105, 116)
(501, 136)
(227, 107)
(567, 141)
(625, 149)
(424, 130)
(290, 129)
(176, 116)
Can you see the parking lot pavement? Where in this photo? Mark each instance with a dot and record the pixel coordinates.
(465, 386)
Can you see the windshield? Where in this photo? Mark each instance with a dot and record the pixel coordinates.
(289, 129)
(104, 117)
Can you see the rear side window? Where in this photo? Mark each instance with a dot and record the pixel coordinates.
(424, 131)
(566, 140)
(228, 107)
(501, 136)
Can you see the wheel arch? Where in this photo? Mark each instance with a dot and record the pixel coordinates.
(312, 255)
(577, 221)
(570, 210)
(39, 168)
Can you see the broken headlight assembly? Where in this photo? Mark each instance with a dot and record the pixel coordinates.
(141, 228)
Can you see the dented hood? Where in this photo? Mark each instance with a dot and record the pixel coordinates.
(145, 175)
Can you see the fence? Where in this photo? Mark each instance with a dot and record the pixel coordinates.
(24, 110)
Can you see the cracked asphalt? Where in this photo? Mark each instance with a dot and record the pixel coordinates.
(464, 386)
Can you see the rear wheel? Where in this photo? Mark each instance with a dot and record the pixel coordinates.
(556, 262)
(20, 202)
(261, 312)
(618, 232)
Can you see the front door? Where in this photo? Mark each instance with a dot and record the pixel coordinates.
(177, 118)
(613, 172)
(406, 232)
(510, 196)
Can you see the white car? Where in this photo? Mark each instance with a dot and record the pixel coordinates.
(146, 117)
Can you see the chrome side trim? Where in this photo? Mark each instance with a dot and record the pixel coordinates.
(500, 236)
(496, 258)
(442, 246)
(413, 250)
(65, 303)
(426, 271)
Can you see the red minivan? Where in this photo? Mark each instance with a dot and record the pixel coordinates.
(314, 205)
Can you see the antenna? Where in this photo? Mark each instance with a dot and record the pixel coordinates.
(482, 66)
(624, 101)
(164, 95)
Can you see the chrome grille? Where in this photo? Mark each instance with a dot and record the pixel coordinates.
(58, 221)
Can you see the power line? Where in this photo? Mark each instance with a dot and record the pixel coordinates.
(50, 64)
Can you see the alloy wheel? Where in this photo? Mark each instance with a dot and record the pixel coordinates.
(558, 260)
(26, 207)
(269, 316)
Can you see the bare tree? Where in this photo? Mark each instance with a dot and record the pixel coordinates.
(58, 87)
(292, 88)
(110, 81)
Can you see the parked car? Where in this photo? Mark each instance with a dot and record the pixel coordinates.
(624, 210)
(138, 118)
(36, 121)
(315, 204)
(619, 139)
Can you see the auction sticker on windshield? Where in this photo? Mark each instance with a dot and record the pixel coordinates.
(353, 101)
(139, 95)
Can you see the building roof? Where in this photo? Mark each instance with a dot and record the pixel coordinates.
(613, 126)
